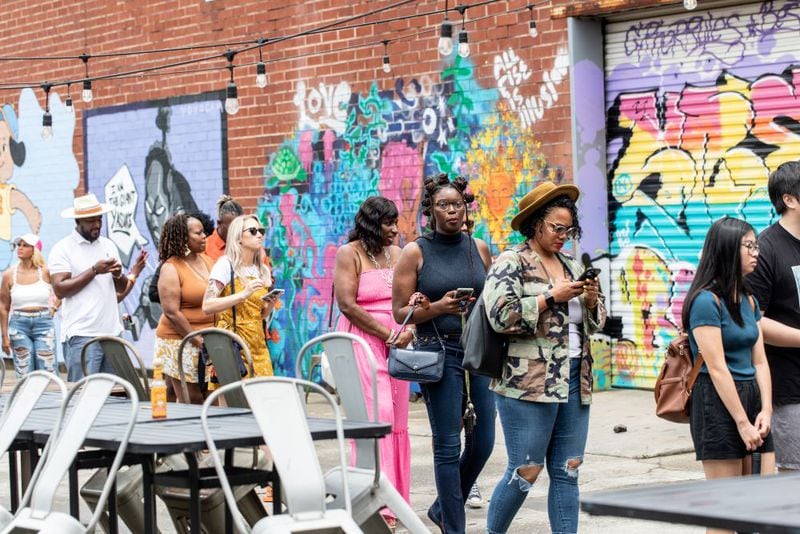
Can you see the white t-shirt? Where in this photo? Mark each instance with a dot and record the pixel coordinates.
(92, 311)
(575, 322)
(221, 272)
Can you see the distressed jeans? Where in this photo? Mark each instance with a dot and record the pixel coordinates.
(32, 336)
(95, 358)
(538, 434)
(455, 469)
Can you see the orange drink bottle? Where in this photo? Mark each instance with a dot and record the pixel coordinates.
(158, 390)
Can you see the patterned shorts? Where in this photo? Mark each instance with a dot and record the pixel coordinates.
(167, 350)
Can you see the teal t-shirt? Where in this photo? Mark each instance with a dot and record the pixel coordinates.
(737, 341)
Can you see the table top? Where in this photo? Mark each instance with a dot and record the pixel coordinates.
(762, 504)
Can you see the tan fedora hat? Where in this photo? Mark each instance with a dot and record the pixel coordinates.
(85, 206)
(539, 196)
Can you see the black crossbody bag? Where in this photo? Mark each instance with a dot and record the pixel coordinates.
(414, 365)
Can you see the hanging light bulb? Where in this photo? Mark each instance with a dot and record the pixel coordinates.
(532, 31)
(47, 126)
(68, 101)
(232, 100)
(86, 94)
(445, 39)
(261, 75)
(387, 66)
(463, 43)
(690, 4)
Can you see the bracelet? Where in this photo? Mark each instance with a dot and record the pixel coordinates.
(392, 336)
(132, 277)
(94, 270)
(412, 300)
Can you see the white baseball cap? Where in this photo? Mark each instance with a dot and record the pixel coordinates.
(29, 238)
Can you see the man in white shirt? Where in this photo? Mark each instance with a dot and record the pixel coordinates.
(86, 274)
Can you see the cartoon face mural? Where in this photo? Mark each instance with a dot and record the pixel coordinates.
(144, 172)
(12, 153)
(350, 146)
(696, 122)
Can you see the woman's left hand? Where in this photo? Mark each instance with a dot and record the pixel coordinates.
(764, 423)
(590, 292)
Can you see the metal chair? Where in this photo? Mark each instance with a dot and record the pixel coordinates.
(2, 372)
(18, 406)
(371, 491)
(277, 405)
(36, 512)
(119, 351)
(221, 348)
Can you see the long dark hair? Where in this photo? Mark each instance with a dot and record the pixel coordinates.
(720, 268)
(367, 229)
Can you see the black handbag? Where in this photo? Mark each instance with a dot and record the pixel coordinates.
(413, 365)
(236, 347)
(485, 350)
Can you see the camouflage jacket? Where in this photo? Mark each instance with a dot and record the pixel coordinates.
(537, 367)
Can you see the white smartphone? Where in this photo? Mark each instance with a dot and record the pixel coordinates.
(273, 293)
(463, 293)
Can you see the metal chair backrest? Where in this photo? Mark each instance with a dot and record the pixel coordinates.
(2, 372)
(340, 349)
(22, 399)
(67, 438)
(221, 346)
(277, 405)
(118, 352)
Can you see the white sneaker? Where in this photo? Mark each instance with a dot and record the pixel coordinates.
(474, 500)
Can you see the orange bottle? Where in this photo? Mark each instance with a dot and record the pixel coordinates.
(158, 390)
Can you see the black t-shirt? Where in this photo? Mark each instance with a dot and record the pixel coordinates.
(776, 285)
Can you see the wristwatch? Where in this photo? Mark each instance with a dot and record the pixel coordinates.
(549, 299)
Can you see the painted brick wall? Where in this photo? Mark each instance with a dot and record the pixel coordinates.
(330, 128)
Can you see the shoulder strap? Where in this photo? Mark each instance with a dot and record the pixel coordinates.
(233, 290)
(330, 311)
(14, 275)
(698, 362)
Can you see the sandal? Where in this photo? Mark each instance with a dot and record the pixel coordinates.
(391, 522)
(267, 497)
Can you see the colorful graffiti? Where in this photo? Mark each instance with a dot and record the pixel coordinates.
(682, 156)
(350, 146)
(168, 159)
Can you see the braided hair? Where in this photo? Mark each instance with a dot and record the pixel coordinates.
(226, 204)
(442, 181)
(174, 237)
(370, 216)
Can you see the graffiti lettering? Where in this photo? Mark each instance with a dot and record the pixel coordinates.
(325, 107)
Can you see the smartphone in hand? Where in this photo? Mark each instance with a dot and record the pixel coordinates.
(463, 293)
(275, 293)
(591, 272)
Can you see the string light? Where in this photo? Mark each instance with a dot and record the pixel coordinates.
(445, 45)
(47, 119)
(261, 68)
(68, 102)
(232, 94)
(463, 37)
(532, 31)
(690, 4)
(387, 66)
(86, 94)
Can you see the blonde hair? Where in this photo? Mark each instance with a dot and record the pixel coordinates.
(235, 252)
(37, 259)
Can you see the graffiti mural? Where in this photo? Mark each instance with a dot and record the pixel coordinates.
(688, 145)
(384, 141)
(169, 157)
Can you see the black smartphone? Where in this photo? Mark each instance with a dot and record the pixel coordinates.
(273, 293)
(463, 293)
(591, 272)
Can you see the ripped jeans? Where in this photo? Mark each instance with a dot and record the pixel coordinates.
(538, 434)
(32, 336)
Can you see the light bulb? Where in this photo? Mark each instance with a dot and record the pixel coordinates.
(47, 126)
(446, 39)
(387, 67)
(532, 31)
(86, 94)
(690, 4)
(232, 100)
(463, 44)
(261, 75)
(68, 103)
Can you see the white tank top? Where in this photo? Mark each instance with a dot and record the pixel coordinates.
(35, 295)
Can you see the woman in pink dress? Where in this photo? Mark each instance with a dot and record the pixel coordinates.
(363, 285)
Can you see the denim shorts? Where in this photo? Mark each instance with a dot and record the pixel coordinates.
(714, 431)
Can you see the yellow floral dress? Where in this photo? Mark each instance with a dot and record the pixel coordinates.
(249, 326)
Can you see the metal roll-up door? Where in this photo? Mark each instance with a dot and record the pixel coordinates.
(701, 107)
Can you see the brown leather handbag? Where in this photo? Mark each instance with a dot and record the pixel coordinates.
(676, 380)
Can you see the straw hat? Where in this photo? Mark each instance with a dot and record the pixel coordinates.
(85, 206)
(29, 238)
(539, 196)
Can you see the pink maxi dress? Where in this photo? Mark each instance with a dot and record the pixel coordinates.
(375, 296)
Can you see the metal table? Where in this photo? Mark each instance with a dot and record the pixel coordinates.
(752, 504)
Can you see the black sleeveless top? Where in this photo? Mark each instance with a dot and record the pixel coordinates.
(448, 262)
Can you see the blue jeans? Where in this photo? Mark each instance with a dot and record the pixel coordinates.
(456, 470)
(95, 358)
(32, 339)
(535, 433)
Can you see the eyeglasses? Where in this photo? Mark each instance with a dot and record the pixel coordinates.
(559, 229)
(255, 230)
(444, 205)
(751, 246)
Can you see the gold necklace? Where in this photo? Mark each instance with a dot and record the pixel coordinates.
(386, 273)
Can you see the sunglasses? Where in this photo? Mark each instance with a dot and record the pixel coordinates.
(558, 229)
(255, 230)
